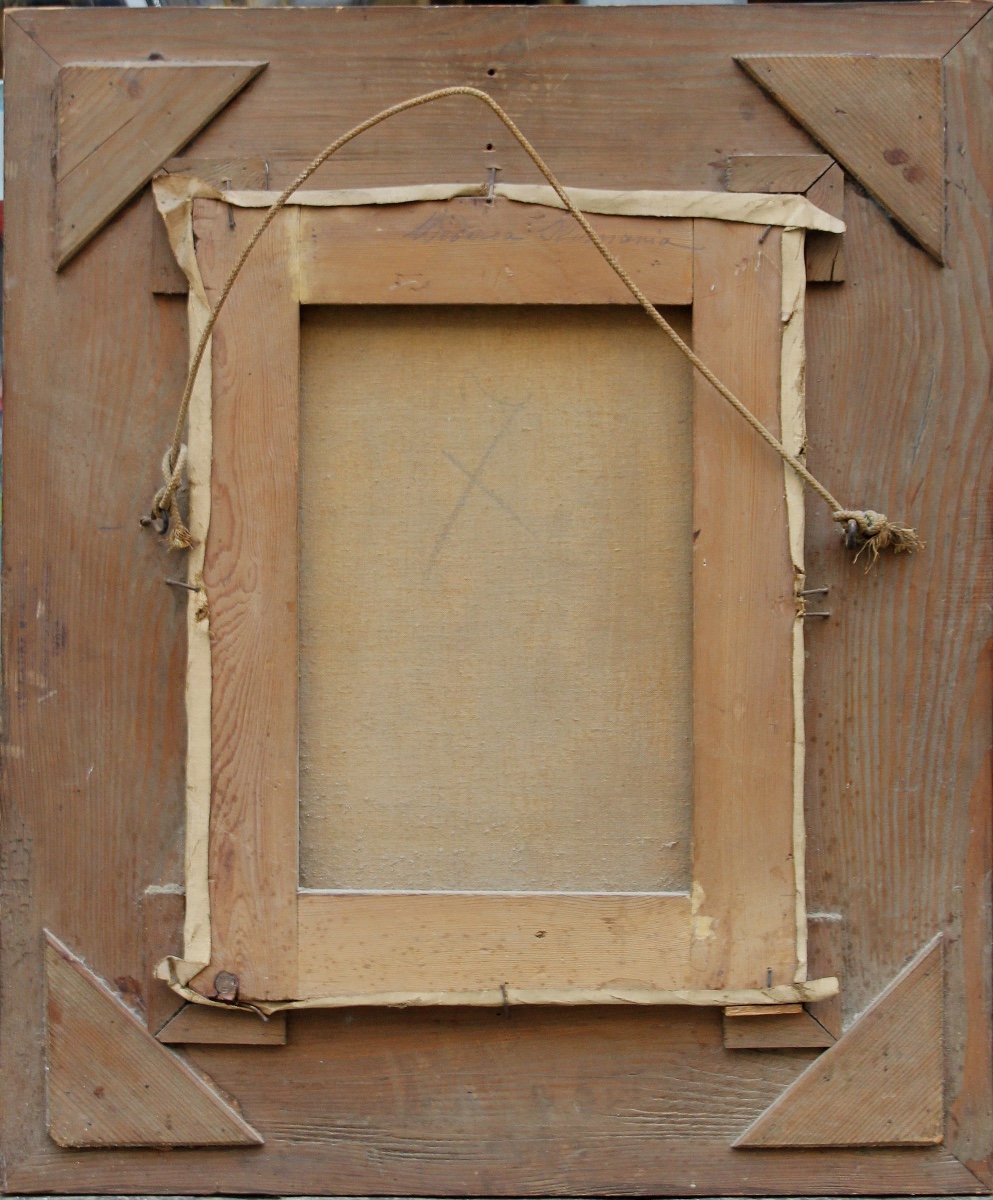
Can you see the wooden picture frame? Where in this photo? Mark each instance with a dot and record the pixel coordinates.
(879, 114)
(738, 934)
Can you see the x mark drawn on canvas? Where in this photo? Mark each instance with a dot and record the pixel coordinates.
(474, 482)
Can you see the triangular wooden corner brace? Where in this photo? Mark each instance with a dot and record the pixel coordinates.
(880, 1084)
(110, 1083)
(118, 122)
(881, 117)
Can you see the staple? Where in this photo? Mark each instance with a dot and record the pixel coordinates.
(227, 188)
(491, 184)
(816, 614)
(821, 591)
(180, 584)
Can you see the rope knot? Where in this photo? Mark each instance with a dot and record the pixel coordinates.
(166, 516)
(863, 529)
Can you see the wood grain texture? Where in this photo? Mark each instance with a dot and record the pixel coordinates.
(71, 874)
(196, 1024)
(744, 920)
(165, 276)
(881, 1083)
(876, 727)
(454, 252)
(250, 574)
(780, 1031)
(162, 922)
(111, 1084)
(118, 122)
(675, 114)
(828, 193)
(775, 172)
(882, 117)
(547, 1102)
(655, 1086)
(248, 173)
(825, 252)
(762, 1010)
(432, 942)
(825, 957)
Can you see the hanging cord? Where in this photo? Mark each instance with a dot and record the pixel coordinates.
(862, 529)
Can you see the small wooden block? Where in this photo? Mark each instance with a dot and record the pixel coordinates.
(196, 1023)
(774, 172)
(762, 1010)
(825, 252)
(162, 920)
(825, 957)
(165, 276)
(794, 1026)
(824, 256)
(228, 174)
(781, 1031)
(828, 191)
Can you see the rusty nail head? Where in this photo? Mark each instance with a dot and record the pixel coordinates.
(226, 986)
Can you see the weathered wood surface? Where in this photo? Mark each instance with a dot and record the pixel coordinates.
(881, 117)
(825, 957)
(908, 652)
(356, 944)
(744, 920)
(780, 1031)
(110, 1083)
(775, 172)
(250, 576)
(162, 921)
(881, 1083)
(825, 252)
(898, 791)
(118, 123)
(454, 252)
(196, 1024)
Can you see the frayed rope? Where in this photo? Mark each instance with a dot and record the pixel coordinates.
(865, 530)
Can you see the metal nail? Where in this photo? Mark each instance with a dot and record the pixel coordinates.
(491, 184)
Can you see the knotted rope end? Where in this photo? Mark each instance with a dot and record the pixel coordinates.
(166, 516)
(865, 530)
(180, 537)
